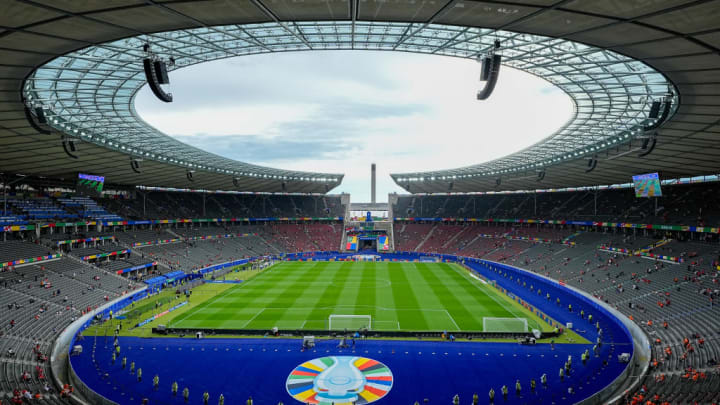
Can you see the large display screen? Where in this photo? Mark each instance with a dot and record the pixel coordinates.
(90, 185)
(647, 185)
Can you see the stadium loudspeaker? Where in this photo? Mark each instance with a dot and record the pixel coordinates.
(592, 163)
(189, 175)
(541, 175)
(69, 147)
(31, 120)
(648, 146)
(485, 92)
(450, 186)
(283, 186)
(40, 114)
(663, 116)
(151, 78)
(654, 110)
(498, 181)
(135, 165)
(485, 68)
(236, 182)
(161, 72)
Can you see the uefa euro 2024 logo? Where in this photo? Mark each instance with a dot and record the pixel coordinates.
(339, 380)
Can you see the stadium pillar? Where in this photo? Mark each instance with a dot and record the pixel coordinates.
(372, 183)
(535, 209)
(203, 205)
(596, 201)
(656, 199)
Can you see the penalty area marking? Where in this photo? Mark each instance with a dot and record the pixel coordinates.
(253, 318)
(490, 293)
(453, 320)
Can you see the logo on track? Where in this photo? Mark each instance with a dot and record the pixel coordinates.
(339, 380)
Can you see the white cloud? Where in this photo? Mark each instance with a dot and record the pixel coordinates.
(405, 112)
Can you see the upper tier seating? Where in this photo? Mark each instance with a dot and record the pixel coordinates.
(88, 208)
(190, 205)
(693, 204)
(39, 208)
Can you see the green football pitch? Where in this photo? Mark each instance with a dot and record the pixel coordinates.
(388, 296)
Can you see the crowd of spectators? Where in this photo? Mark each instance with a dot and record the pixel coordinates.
(680, 204)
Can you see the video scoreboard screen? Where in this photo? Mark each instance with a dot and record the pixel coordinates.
(90, 185)
(647, 185)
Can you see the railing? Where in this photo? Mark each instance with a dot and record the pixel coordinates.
(59, 358)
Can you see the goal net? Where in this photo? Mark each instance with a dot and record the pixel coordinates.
(509, 325)
(349, 322)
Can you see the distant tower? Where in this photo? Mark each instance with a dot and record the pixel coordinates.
(372, 183)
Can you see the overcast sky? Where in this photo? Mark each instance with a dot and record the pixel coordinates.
(339, 111)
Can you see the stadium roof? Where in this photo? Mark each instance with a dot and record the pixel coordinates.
(88, 57)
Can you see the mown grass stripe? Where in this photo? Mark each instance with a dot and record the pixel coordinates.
(365, 299)
(404, 297)
(457, 310)
(331, 293)
(291, 293)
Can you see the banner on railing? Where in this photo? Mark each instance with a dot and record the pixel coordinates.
(205, 220)
(66, 224)
(13, 228)
(135, 268)
(229, 235)
(30, 260)
(204, 237)
(683, 228)
(640, 253)
(108, 254)
(210, 269)
(568, 241)
(71, 241)
(156, 242)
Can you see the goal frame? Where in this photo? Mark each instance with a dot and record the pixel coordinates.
(368, 317)
(489, 318)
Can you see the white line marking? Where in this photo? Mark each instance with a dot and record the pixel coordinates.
(452, 319)
(340, 307)
(507, 306)
(253, 318)
(201, 306)
(477, 278)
